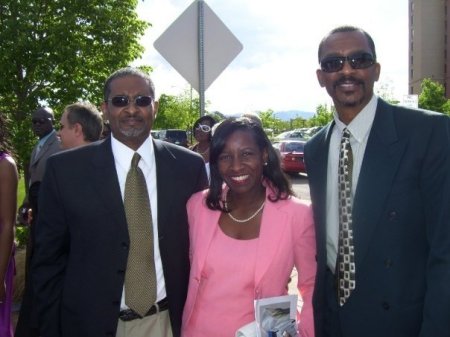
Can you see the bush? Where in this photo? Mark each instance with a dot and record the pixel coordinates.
(22, 233)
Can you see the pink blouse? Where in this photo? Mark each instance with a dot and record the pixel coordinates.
(225, 299)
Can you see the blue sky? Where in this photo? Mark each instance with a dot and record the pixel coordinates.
(276, 69)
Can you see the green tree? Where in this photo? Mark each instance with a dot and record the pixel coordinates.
(385, 90)
(270, 121)
(177, 112)
(432, 97)
(298, 123)
(57, 52)
(218, 116)
(322, 117)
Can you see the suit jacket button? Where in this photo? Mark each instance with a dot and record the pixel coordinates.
(124, 245)
(386, 305)
(392, 215)
(388, 263)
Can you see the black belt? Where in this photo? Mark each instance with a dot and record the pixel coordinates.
(129, 315)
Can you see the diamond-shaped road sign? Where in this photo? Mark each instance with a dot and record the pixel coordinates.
(179, 45)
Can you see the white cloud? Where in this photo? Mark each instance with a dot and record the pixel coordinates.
(276, 69)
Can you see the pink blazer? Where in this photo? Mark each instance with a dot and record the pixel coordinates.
(286, 239)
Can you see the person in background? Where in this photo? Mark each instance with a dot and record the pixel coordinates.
(253, 116)
(202, 133)
(112, 241)
(247, 232)
(42, 122)
(81, 124)
(380, 194)
(106, 132)
(8, 205)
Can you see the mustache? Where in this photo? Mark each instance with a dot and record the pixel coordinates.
(132, 117)
(348, 79)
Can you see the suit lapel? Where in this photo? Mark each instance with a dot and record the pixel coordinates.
(43, 149)
(164, 161)
(270, 234)
(317, 176)
(381, 159)
(106, 182)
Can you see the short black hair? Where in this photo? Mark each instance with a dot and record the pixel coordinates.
(124, 72)
(345, 29)
(272, 171)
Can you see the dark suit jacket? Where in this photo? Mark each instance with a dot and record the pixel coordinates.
(82, 238)
(401, 225)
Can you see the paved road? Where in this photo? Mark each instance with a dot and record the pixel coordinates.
(300, 185)
(301, 188)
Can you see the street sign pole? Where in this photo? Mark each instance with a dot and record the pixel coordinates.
(201, 56)
(199, 46)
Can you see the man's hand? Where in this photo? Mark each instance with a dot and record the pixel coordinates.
(22, 214)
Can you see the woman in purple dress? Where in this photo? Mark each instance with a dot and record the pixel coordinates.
(8, 207)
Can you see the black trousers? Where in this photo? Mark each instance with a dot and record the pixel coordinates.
(332, 323)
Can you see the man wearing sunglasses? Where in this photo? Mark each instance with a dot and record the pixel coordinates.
(380, 196)
(42, 123)
(95, 273)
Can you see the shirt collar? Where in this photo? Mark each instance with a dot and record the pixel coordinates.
(123, 154)
(44, 139)
(360, 126)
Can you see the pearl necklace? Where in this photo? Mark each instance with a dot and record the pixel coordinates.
(243, 220)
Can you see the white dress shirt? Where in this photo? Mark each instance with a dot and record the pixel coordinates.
(122, 157)
(359, 128)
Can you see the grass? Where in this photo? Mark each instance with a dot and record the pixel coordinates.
(21, 235)
(21, 191)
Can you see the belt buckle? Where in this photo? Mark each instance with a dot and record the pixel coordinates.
(128, 315)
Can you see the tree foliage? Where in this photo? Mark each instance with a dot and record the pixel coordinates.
(322, 117)
(385, 90)
(178, 112)
(57, 52)
(432, 97)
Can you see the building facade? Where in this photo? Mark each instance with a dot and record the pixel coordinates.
(429, 43)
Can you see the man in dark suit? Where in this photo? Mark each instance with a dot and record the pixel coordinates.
(83, 235)
(385, 272)
(42, 123)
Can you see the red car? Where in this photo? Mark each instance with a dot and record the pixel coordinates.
(291, 154)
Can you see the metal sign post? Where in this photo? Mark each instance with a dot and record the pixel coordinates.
(201, 57)
(199, 46)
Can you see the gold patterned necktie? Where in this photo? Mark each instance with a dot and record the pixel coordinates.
(346, 251)
(140, 277)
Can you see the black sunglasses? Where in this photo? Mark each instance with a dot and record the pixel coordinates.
(333, 64)
(123, 101)
(40, 120)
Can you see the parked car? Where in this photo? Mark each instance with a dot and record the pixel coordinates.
(156, 134)
(175, 136)
(293, 134)
(291, 154)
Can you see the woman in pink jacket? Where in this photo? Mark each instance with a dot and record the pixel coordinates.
(247, 232)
